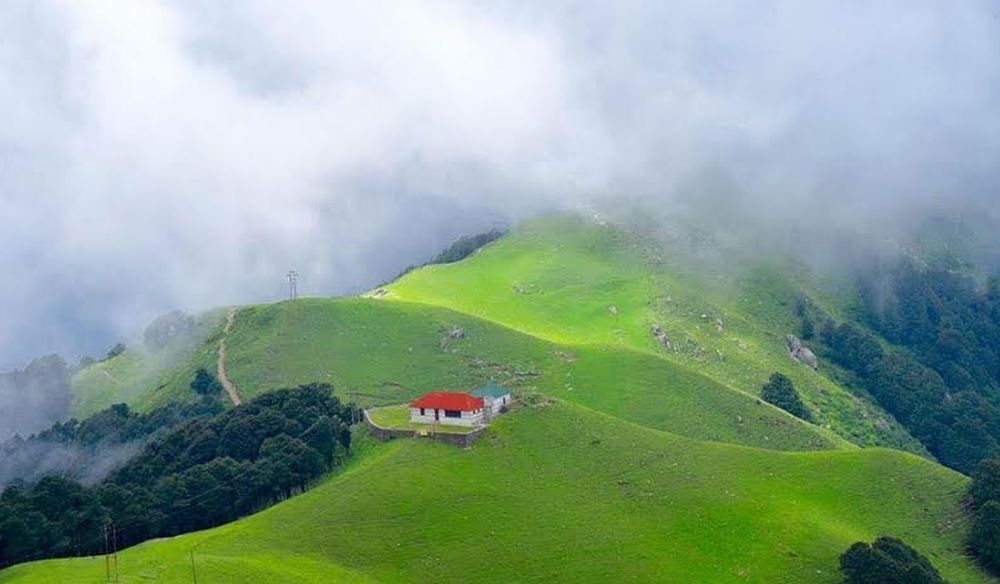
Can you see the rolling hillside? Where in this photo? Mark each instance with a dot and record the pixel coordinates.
(147, 379)
(561, 493)
(572, 281)
(637, 461)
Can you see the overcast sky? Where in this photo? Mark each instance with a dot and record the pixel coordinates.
(177, 153)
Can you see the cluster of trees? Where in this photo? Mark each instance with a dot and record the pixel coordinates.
(465, 246)
(950, 325)
(886, 561)
(460, 249)
(949, 322)
(114, 351)
(86, 450)
(780, 391)
(959, 427)
(205, 472)
(984, 503)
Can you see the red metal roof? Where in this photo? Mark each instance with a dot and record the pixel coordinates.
(448, 400)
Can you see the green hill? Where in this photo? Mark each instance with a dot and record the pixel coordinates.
(653, 462)
(146, 379)
(560, 493)
(572, 281)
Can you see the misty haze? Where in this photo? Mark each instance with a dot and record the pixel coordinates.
(612, 292)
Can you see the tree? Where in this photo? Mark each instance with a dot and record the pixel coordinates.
(985, 485)
(984, 537)
(204, 383)
(808, 328)
(204, 467)
(886, 561)
(113, 352)
(780, 392)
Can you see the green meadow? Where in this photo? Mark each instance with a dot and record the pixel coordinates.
(559, 493)
(628, 460)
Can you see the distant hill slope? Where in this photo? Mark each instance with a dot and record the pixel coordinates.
(562, 494)
(148, 378)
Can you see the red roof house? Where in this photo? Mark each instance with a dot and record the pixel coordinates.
(447, 407)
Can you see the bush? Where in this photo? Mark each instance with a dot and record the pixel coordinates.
(113, 352)
(204, 383)
(886, 561)
(779, 391)
(985, 485)
(984, 537)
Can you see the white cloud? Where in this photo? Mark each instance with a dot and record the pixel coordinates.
(162, 153)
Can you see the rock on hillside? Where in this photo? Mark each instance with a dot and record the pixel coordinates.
(800, 352)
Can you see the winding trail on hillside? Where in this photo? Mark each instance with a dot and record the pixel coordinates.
(227, 384)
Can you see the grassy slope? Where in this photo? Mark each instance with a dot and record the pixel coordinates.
(564, 494)
(389, 352)
(382, 353)
(557, 278)
(586, 496)
(148, 379)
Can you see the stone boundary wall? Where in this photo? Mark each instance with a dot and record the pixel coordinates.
(384, 434)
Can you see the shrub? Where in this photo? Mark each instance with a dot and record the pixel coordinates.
(779, 391)
(985, 485)
(984, 537)
(886, 561)
(204, 383)
(113, 352)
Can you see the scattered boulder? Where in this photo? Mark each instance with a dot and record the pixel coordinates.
(800, 352)
(662, 337)
(454, 333)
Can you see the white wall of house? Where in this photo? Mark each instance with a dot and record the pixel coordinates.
(468, 418)
(495, 403)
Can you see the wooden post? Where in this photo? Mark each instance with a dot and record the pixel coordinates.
(194, 572)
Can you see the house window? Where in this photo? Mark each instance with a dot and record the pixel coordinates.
(452, 414)
(421, 411)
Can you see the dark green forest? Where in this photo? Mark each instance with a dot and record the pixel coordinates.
(205, 472)
(939, 374)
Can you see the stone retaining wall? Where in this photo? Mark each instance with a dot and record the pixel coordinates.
(384, 434)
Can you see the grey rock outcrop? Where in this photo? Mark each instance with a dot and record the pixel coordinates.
(800, 352)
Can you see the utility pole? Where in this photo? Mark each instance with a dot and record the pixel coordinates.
(107, 555)
(114, 548)
(293, 284)
(194, 572)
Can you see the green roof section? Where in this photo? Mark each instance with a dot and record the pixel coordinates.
(491, 390)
